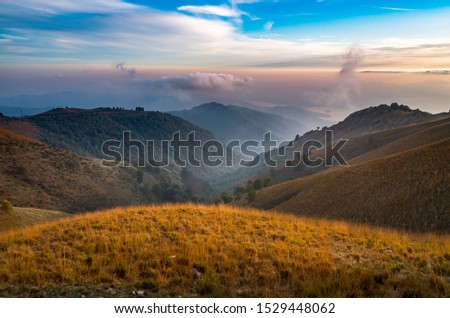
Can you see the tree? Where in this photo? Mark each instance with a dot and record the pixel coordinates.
(250, 186)
(267, 182)
(257, 184)
(226, 198)
(238, 192)
(251, 196)
(7, 207)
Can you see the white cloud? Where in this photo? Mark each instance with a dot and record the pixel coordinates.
(268, 26)
(222, 11)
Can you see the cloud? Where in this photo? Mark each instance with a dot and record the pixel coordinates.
(339, 99)
(222, 11)
(130, 71)
(67, 6)
(203, 81)
(231, 11)
(268, 26)
(394, 9)
(348, 84)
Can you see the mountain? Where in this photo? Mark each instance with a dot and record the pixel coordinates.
(306, 118)
(21, 111)
(365, 130)
(407, 190)
(382, 117)
(84, 131)
(218, 251)
(36, 175)
(239, 123)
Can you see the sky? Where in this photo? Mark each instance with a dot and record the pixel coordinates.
(331, 56)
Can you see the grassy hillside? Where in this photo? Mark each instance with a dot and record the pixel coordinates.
(33, 174)
(22, 217)
(189, 250)
(367, 147)
(413, 136)
(408, 190)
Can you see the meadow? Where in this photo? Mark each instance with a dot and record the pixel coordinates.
(192, 250)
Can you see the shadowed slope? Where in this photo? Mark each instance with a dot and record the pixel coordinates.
(408, 190)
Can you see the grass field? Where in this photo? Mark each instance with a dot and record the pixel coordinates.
(407, 190)
(22, 217)
(194, 250)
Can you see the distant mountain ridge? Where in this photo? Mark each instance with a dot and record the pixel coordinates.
(239, 123)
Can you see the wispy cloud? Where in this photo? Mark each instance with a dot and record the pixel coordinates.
(222, 11)
(268, 25)
(393, 8)
(66, 6)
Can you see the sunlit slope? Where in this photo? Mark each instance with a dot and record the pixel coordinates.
(22, 217)
(189, 250)
(408, 190)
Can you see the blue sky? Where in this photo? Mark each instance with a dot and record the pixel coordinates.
(177, 54)
(238, 33)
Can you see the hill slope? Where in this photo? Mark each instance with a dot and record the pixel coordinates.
(190, 250)
(84, 131)
(22, 217)
(429, 128)
(408, 190)
(33, 174)
(239, 123)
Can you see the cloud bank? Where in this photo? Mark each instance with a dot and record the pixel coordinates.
(203, 81)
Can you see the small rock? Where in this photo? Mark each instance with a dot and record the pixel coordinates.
(196, 273)
(140, 293)
(111, 291)
(388, 251)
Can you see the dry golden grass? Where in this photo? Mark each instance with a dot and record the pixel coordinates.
(22, 217)
(233, 252)
(408, 191)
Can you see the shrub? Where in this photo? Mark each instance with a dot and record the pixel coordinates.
(226, 198)
(7, 206)
(258, 184)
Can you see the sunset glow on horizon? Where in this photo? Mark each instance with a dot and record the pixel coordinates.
(331, 56)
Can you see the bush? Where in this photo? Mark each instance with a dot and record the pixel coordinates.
(226, 198)
(258, 184)
(7, 206)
